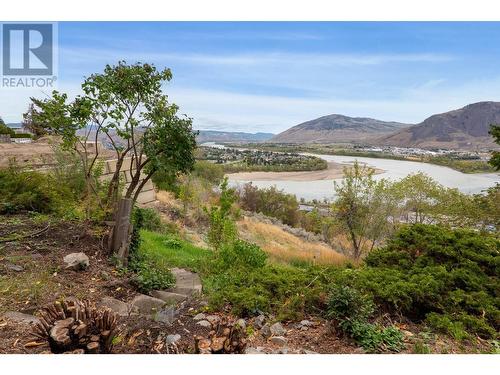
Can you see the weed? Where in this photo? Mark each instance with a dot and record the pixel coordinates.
(421, 348)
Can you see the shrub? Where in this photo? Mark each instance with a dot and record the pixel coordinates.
(149, 276)
(213, 173)
(289, 292)
(173, 243)
(151, 220)
(350, 311)
(242, 254)
(448, 276)
(31, 191)
(347, 305)
(271, 202)
(374, 338)
(21, 135)
(222, 230)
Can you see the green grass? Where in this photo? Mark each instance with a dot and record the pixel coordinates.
(179, 253)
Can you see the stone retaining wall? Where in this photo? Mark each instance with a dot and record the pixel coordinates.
(148, 193)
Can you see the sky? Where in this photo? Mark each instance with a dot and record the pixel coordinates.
(269, 76)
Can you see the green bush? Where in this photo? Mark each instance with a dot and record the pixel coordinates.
(21, 135)
(173, 243)
(31, 191)
(149, 276)
(242, 254)
(449, 277)
(350, 311)
(213, 173)
(347, 305)
(287, 291)
(271, 202)
(151, 220)
(374, 338)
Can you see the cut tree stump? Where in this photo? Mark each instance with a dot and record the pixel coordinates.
(227, 337)
(74, 326)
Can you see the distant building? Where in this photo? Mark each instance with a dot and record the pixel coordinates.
(18, 128)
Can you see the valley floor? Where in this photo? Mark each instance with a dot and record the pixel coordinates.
(334, 171)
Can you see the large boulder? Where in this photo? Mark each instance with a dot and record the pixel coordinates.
(186, 282)
(147, 305)
(278, 340)
(76, 261)
(169, 297)
(119, 307)
(277, 329)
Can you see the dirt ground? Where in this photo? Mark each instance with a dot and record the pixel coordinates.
(37, 154)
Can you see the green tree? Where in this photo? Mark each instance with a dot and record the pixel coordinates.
(495, 158)
(419, 195)
(31, 125)
(4, 129)
(222, 229)
(359, 208)
(124, 105)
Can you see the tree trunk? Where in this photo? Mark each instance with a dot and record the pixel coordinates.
(120, 238)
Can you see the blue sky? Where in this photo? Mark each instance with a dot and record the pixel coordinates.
(270, 76)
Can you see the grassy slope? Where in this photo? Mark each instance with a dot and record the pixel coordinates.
(157, 246)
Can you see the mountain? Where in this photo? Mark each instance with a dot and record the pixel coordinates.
(464, 128)
(337, 129)
(223, 136)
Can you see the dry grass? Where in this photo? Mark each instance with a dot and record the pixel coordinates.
(285, 247)
(167, 198)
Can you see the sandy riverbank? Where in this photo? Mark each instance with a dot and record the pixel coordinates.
(334, 170)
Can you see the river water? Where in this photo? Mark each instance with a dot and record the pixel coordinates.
(393, 170)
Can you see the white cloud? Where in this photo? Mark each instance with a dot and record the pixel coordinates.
(251, 59)
(225, 110)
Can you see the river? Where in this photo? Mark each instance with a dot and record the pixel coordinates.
(393, 170)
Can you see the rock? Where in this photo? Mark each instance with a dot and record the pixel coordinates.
(36, 256)
(278, 340)
(213, 319)
(306, 351)
(165, 315)
(282, 351)
(407, 333)
(76, 261)
(277, 330)
(14, 267)
(266, 331)
(242, 324)
(254, 351)
(187, 282)
(119, 307)
(20, 318)
(146, 304)
(169, 297)
(199, 316)
(306, 323)
(204, 323)
(259, 321)
(172, 339)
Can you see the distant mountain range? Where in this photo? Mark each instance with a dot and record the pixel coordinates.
(465, 128)
(337, 129)
(224, 136)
